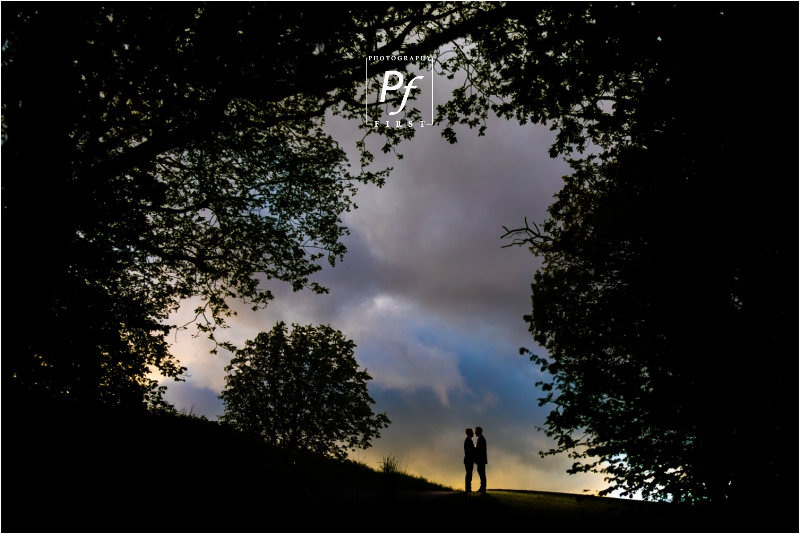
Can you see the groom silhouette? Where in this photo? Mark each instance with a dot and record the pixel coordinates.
(480, 458)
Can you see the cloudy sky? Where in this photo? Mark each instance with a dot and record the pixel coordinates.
(434, 305)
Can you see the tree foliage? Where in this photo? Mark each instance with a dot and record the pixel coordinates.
(158, 153)
(302, 390)
(665, 256)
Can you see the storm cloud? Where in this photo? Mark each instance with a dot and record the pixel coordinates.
(433, 303)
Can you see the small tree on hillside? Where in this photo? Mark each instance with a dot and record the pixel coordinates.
(302, 390)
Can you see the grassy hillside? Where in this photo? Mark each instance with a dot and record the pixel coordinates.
(68, 469)
(78, 469)
(535, 511)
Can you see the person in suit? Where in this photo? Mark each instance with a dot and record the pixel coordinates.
(480, 458)
(469, 460)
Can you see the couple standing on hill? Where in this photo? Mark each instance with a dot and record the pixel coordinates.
(475, 455)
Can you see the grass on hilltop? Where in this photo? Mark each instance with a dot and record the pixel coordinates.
(103, 470)
(74, 468)
(537, 511)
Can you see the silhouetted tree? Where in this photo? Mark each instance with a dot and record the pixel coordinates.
(302, 390)
(158, 153)
(665, 257)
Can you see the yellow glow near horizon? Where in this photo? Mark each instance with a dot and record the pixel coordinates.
(502, 472)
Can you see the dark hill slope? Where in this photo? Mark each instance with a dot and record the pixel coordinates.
(68, 468)
(72, 468)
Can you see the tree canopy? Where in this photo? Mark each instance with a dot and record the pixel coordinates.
(177, 152)
(302, 390)
(182, 155)
(667, 251)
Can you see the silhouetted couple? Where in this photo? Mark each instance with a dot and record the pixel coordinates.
(475, 455)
